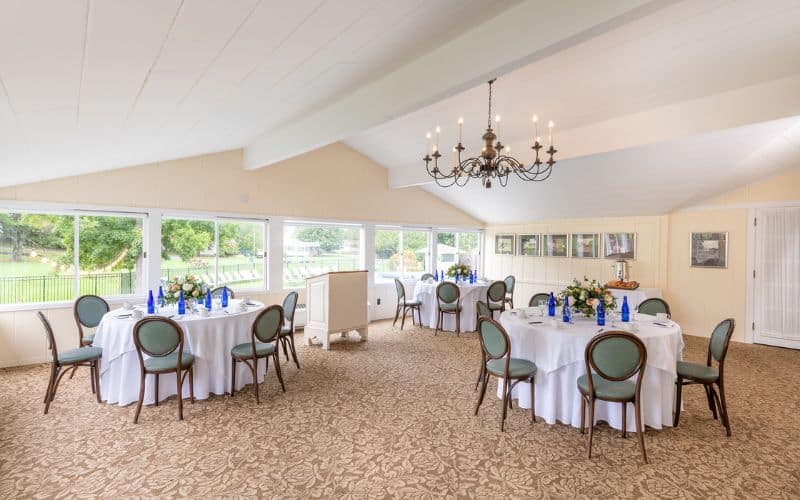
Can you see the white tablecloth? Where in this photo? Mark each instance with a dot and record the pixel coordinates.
(210, 339)
(635, 297)
(558, 352)
(426, 294)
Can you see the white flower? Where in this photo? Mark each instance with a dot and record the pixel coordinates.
(187, 287)
(177, 294)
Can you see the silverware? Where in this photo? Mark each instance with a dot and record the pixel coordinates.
(121, 316)
(534, 322)
(600, 330)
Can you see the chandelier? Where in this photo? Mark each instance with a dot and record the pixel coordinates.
(494, 161)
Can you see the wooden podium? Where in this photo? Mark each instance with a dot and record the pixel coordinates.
(336, 302)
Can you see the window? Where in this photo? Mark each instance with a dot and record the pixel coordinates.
(455, 247)
(311, 249)
(400, 254)
(38, 262)
(220, 252)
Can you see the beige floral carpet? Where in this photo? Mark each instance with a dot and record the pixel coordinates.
(393, 418)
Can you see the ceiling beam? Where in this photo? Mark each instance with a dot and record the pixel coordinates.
(758, 103)
(528, 31)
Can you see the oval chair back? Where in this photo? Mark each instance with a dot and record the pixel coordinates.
(616, 356)
(447, 293)
(496, 292)
(494, 340)
(539, 299)
(654, 306)
(217, 293)
(267, 325)
(88, 311)
(401, 291)
(51, 339)
(720, 339)
(158, 337)
(510, 281)
(426, 276)
(289, 306)
(483, 309)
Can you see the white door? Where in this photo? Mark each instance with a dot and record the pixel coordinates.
(777, 277)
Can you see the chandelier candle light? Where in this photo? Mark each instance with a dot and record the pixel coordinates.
(494, 161)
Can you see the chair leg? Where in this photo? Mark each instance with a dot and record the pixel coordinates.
(91, 376)
(72, 373)
(591, 425)
(723, 407)
(254, 371)
(438, 323)
(278, 372)
(637, 410)
(51, 388)
(403, 321)
(624, 419)
(179, 382)
(480, 372)
(293, 350)
(458, 323)
(482, 393)
(141, 399)
(678, 389)
(50, 383)
(396, 314)
(533, 401)
(96, 379)
(284, 341)
(505, 406)
(710, 397)
(233, 375)
(583, 414)
(191, 384)
(156, 397)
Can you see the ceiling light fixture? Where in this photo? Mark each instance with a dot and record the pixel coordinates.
(494, 161)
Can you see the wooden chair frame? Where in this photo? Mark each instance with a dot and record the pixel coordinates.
(287, 339)
(490, 302)
(656, 300)
(591, 397)
(218, 291)
(252, 361)
(405, 306)
(509, 296)
(56, 367)
(538, 295)
(78, 322)
(716, 402)
(478, 305)
(508, 386)
(180, 371)
(456, 311)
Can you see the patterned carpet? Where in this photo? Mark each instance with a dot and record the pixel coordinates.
(393, 418)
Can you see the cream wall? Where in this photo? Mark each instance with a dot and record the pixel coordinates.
(332, 183)
(699, 298)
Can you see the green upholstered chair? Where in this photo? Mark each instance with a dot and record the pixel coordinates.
(63, 362)
(217, 293)
(612, 358)
(496, 297)
(286, 336)
(266, 329)
(88, 311)
(510, 281)
(448, 299)
(539, 299)
(496, 349)
(654, 306)
(482, 311)
(426, 276)
(707, 375)
(404, 305)
(162, 340)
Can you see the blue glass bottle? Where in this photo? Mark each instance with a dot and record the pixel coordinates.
(626, 311)
(224, 296)
(441, 277)
(551, 305)
(161, 301)
(151, 304)
(471, 278)
(601, 313)
(207, 302)
(435, 275)
(457, 275)
(566, 312)
(181, 304)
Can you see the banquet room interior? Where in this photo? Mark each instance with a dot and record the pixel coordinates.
(400, 248)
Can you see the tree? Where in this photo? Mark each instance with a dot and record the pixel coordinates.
(447, 239)
(108, 243)
(330, 239)
(185, 238)
(26, 231)
(387, 243)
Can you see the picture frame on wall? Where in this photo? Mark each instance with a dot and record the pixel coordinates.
(529, 245)
(709, 250)
(555, 245)
(585, 245)
(504, 244)
(619, 246)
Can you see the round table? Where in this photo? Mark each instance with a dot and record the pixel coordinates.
(558, 352)
(209, 338)
(426, 294)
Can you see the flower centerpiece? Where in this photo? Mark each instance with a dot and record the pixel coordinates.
(462, 270)
(585, 296)
(193, 288)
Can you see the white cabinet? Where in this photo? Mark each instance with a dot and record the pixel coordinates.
(336, 303)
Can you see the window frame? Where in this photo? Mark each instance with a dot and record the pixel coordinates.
(361, 263)
(402, 229)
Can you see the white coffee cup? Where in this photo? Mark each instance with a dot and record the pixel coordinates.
(127, 306)
(137, 314)
(204, 312)
(246, 299)
(242, 306)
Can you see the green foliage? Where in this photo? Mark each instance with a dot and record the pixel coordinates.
(22, 232)
(330, 239)
(446, 239)
(185, 238)
(387, 243)
(107, 242)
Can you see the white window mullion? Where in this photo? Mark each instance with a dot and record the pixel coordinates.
(76, 274)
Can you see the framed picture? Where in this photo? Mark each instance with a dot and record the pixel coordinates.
(709, 250)
(529, 245)
(619, 246)
(504, 244)
(585, 245)
(555, 245)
